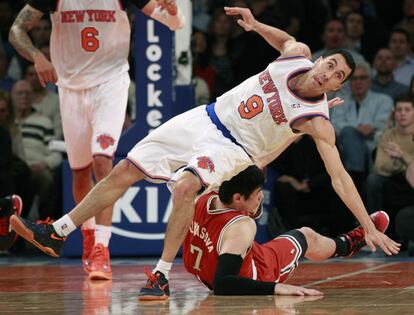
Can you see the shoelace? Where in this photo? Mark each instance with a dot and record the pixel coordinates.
(48, 221)
(153, 280)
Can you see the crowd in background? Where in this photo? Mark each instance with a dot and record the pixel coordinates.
(374, 126)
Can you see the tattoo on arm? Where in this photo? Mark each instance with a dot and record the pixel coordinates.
(18, 36)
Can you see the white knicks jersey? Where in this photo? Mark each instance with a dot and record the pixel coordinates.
(259, 111)
(89, 43)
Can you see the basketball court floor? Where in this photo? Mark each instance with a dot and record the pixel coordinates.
(368, 284)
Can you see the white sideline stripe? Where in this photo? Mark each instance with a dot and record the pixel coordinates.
(350, 274)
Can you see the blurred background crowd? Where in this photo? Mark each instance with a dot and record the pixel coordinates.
(374, 126)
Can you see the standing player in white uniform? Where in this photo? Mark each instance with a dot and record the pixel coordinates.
(89, 50)
(252, 123)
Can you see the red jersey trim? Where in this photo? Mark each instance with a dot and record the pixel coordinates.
(294, 263)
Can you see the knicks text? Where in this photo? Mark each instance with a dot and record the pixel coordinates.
(88, 16)
(273, 101)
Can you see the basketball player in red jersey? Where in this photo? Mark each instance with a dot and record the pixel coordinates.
(220, 251)
(89, 50)
(9, 205)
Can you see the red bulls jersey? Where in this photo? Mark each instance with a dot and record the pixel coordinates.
(201, 246)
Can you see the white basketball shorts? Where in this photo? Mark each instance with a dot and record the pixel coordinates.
(92, 120)
(189, 140)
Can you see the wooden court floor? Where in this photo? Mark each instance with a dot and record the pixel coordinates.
(43, 285)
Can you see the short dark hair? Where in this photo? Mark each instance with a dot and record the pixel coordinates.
(347, 56)
(400, 30)
(244, 183)
(406, 97)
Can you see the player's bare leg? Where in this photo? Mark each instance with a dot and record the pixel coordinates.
(185, 192)
(345, 245)
(100, 267)
(106, 192)
(82, 183)
(319, 247)
(49, 238)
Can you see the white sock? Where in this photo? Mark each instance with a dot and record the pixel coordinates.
(89, 224)
(163, 267)
(102, 234)
(64, 226)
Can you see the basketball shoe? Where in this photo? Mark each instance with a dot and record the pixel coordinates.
(356, 237)
(88, 236)
(10, 205)
(100, 265)
(41, 234)
(157, 287)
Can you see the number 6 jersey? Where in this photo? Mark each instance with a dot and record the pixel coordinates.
(89, 43)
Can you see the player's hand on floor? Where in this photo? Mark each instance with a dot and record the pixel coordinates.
(375, 237)
(45, 69)
(286, 289)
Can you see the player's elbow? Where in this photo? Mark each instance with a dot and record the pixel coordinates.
(12, 35)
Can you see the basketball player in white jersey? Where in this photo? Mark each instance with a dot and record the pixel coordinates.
(197, 150)
(89, 50)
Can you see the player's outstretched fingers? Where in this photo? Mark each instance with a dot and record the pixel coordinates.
(312, 292)
(232, 10)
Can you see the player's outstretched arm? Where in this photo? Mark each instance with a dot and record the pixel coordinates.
(236, 242)
(324, 135)
(19, 38)
(166, 12)
(278, 39)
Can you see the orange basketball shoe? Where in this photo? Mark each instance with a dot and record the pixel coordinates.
(157, 287)
(88, 243)
(100, 264)
(356, 237)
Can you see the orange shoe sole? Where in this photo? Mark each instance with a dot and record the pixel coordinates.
(28, 235)
(153, 297)
(100, 275)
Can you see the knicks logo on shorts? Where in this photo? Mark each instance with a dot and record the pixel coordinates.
(105, 141)
(206, 163)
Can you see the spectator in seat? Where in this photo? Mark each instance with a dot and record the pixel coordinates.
(384, 82)
(363, 115)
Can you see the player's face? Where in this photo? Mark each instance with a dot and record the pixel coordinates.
(251, 204)
(329, 73)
